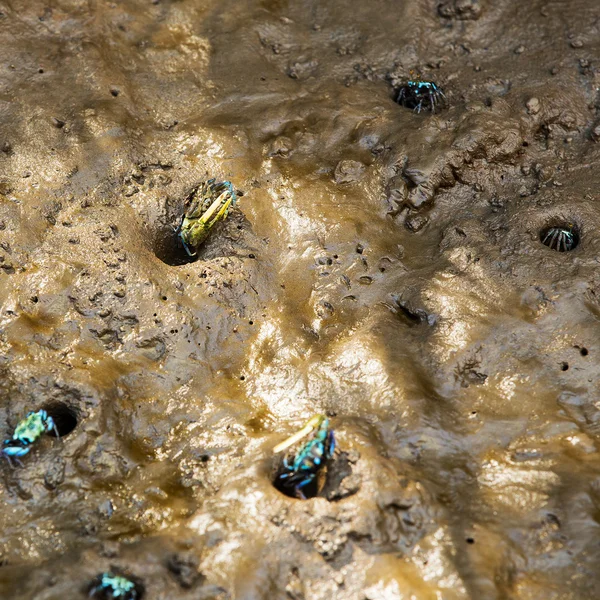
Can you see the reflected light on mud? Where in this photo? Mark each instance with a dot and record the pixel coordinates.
(360, 358)
(436, 552)
(517, 488)
(213, 148)
(387, 591)
(298, 227)
(507, 387)
(459, 304)
(277, 380)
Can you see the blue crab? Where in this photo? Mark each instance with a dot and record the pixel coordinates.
(110, 585)
(417, 94)
(30, 429)
(300, 469)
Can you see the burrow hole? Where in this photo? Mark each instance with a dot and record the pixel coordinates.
(327, 484)
(64, 417)
(282, 484)
(169, 248)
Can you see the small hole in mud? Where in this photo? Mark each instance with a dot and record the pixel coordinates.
(250, 322)
(34, 299)
(360, 249)
(564, 366)
(562, 237)
(470, 540)
(584, 352)
(242, 378)
(64, 417)
(311, 490)
(169, 249)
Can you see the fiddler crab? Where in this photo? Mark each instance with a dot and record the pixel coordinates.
(29, 430)
(208, 204)
(561, 239)
(417, 94)
(300, 468)
(110, 585)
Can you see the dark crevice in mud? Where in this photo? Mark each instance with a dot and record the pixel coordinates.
(64, 416)
(411, 314)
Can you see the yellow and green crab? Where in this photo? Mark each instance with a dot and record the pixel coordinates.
(208, 204)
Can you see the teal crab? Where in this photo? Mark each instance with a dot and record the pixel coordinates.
(110, 585)
(29, 430)
(208, 204)
(301, 468)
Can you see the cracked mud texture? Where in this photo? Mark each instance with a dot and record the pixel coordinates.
(382, 266)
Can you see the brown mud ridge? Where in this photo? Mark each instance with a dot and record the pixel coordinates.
(383, 267)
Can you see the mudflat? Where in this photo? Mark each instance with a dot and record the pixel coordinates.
(429, 280)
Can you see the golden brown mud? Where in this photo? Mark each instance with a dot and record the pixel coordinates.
(383, 267)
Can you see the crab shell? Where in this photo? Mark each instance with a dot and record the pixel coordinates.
(207, 206)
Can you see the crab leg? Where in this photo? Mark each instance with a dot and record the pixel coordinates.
(553, 235)
(563, 240)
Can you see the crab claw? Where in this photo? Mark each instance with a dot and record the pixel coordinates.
(309, 427)
(196, 225)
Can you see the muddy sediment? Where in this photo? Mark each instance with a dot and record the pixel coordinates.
(384, 267)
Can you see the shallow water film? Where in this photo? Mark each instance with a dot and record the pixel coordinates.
(427, 280)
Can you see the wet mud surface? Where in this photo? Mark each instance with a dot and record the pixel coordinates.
(384, 267)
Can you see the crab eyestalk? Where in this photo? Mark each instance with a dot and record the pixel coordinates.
(207, 205)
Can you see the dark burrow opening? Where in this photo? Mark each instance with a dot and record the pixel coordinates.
(64, 417)
(169, 248)
(332, 482)
(290, 487)
(562, 237)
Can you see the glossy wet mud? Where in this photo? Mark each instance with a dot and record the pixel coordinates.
(382, 267)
